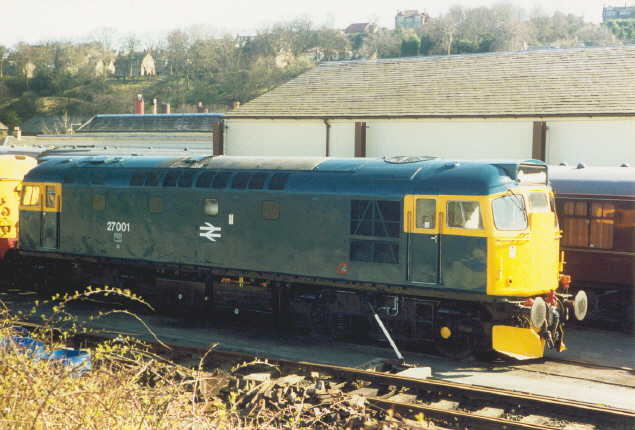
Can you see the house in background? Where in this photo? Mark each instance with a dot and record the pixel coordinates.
(105, 66)
(411, 19)
(361, 27)
(610, 13)
(559, 105)
(142, 64)
(4, 130)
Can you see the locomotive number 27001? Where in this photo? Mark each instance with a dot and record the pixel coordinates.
(118, 226)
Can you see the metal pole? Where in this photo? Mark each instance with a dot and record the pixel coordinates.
(392, 343)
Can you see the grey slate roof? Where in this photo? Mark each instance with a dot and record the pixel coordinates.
(560, 82)
(160, 123)
(48, 125)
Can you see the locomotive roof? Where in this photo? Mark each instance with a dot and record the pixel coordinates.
(425, 174)
(583, 180)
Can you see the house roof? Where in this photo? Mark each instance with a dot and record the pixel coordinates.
(359, 27)
(170, 123)
(559, 82)
(49, 124)
(3, 127)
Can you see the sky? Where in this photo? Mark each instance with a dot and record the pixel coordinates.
(35, 21)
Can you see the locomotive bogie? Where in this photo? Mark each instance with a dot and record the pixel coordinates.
(442, 252)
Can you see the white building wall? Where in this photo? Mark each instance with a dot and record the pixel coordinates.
(594, 141)
(451, 138)
(282, 138)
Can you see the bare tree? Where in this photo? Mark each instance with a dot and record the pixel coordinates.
(131, 42)
(3, 53)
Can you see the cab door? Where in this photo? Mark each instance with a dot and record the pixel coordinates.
(423, 225)
(49, 237)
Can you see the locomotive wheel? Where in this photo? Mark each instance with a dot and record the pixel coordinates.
(454, 347)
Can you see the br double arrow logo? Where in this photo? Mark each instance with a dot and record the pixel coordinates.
(210, 232)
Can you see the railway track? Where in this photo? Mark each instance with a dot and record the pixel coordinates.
(386, 386)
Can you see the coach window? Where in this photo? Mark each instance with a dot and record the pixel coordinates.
(30, 195)
(601, 225)
(155, 204)
(465, 214)
(426, 209)
(210, 207)
(576, 231)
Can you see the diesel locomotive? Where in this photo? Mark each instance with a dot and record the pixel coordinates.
(12, 170)
(463, 254)
(596, 207)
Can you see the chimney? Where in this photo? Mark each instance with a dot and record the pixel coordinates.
(236, 104)
(154, 106)
(165, 108)
(138, 105)
(17, 133)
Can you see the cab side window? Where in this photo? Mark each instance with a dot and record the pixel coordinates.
(426, 209)
(465, 214)
(30, 195)
(50, 197)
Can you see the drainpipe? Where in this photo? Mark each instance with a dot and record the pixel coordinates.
(328, 133)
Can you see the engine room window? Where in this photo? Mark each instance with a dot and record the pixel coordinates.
(155, 204)
(270, 210)
(99, 202)
(139, 178)
(221, 180)
(465, 214)
(30, 195)
(257, 181)
(187, 178)
(154, 178)
(538, 202)
(509, 213)
(240, 180)
(426, 209)
(171, 178)
(376, 218)
(210, 207)
(277, 181)
(205, 180)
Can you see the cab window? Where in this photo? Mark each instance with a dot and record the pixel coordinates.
(538, 202)
(465, 214)
(30, 195)
(426, 209)
(50, 197)
(509, 212)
